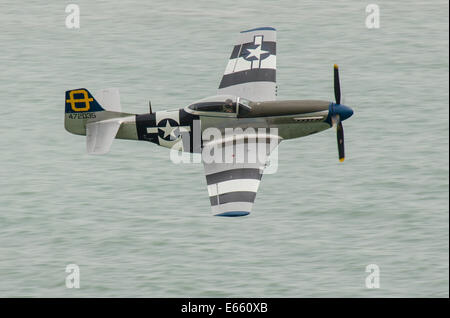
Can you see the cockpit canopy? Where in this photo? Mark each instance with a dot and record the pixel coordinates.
(220, 105)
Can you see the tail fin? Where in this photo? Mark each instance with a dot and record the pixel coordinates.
(81, 101)
(81, 106)
(98, 118)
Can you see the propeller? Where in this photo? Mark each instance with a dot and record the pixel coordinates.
(337, 85)
(337, 118)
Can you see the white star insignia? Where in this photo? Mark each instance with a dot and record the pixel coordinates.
(256, 52)
(169, 130)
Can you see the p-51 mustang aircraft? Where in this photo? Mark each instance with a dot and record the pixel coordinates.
(245, 102)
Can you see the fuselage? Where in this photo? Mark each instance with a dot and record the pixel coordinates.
(289, 118)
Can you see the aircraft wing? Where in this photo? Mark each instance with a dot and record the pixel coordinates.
(232, 186)
(251, 69)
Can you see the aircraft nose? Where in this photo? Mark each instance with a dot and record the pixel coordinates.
(343, 111)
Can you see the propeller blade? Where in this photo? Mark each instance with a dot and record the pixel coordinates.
(340, 141)
(337, 85)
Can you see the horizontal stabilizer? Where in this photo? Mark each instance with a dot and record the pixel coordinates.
(100, 135)
(109, 98)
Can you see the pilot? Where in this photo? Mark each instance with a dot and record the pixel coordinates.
(228, 107)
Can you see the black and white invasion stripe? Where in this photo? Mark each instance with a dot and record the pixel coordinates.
(233, 189)
(253, 59)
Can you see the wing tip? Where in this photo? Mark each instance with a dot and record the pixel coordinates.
(259, 29)
(233, 213)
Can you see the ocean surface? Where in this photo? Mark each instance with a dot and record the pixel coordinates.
(138, 225)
